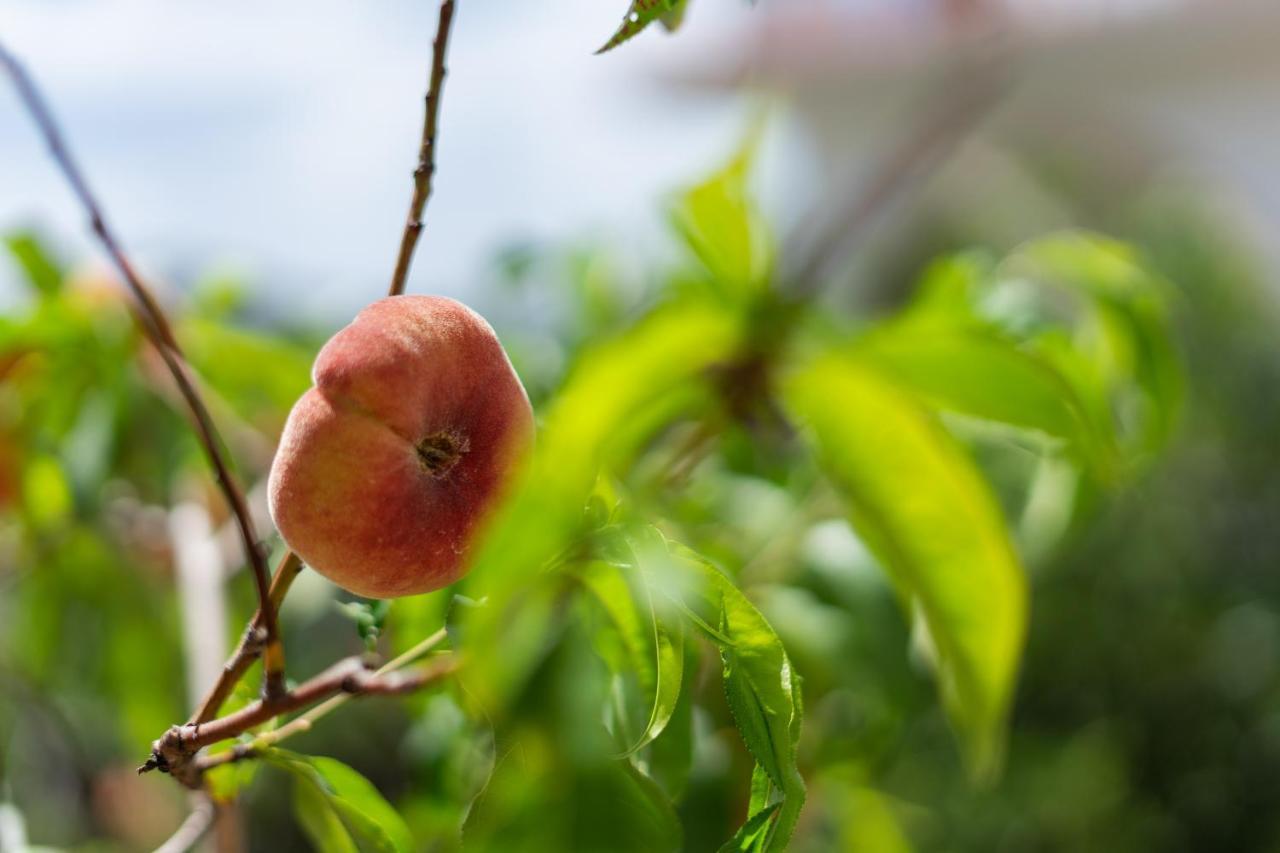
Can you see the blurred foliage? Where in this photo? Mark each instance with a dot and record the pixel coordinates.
(763, 585)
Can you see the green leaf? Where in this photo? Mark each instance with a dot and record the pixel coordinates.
(620, 394)
(1133, 340)
(762, 790)
(640, 14)
(753, 834)
(759, 684)
(1086, 307)
(979, 372)
(320, 821)
(950, 287)
(670, 757)
(534, 802)
(724, 229)
(923, 508)
(329, 794)
(654, 649)
(39, 267)
(672, 20)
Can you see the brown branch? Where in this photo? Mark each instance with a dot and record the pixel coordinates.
(173, 752)
(385, 685)
(252, 643)
(193, 829)
(425, 172)
(156, 327)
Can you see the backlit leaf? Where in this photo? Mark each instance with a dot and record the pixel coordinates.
(975, 371)
(920, 504)
(724, 229)
(620, 395)
(760, 686)
(654, 648)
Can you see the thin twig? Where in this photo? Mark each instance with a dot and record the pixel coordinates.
(156, 327)
(174, 751)
(305, 721)
(192, 829)
(426, 169)
(959, 107)
(251, 643)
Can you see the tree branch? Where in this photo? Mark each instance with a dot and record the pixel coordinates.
(405, 684)
(193, 829)
(426, 169)
(251, 643)
(173, 752)
(156, 327)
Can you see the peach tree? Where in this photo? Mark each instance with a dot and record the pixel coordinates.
(601, 623)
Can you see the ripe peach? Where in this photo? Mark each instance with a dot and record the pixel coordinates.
(392, 460)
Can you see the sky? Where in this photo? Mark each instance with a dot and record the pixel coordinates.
(275, 140)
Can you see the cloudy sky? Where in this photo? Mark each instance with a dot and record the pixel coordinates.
(275, 140)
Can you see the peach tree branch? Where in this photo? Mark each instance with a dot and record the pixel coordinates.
(158, 331)
(251, 643)
(407, 683)
(193, 829)
(176, 751)
(425, 172)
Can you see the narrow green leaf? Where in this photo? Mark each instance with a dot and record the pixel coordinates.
(723, 227)
(670, 757)
(976, 371)
(758, 680)
(761, 790)
(353, 801)
(923, 508)
(752, 835)
(640, 14)
(319, 820)
(652, 805)
(655, 649)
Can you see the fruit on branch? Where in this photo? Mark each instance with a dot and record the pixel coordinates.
(389, 465)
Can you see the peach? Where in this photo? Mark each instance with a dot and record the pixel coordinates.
(390, 464)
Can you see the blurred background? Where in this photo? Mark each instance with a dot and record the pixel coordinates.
(257, 162)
